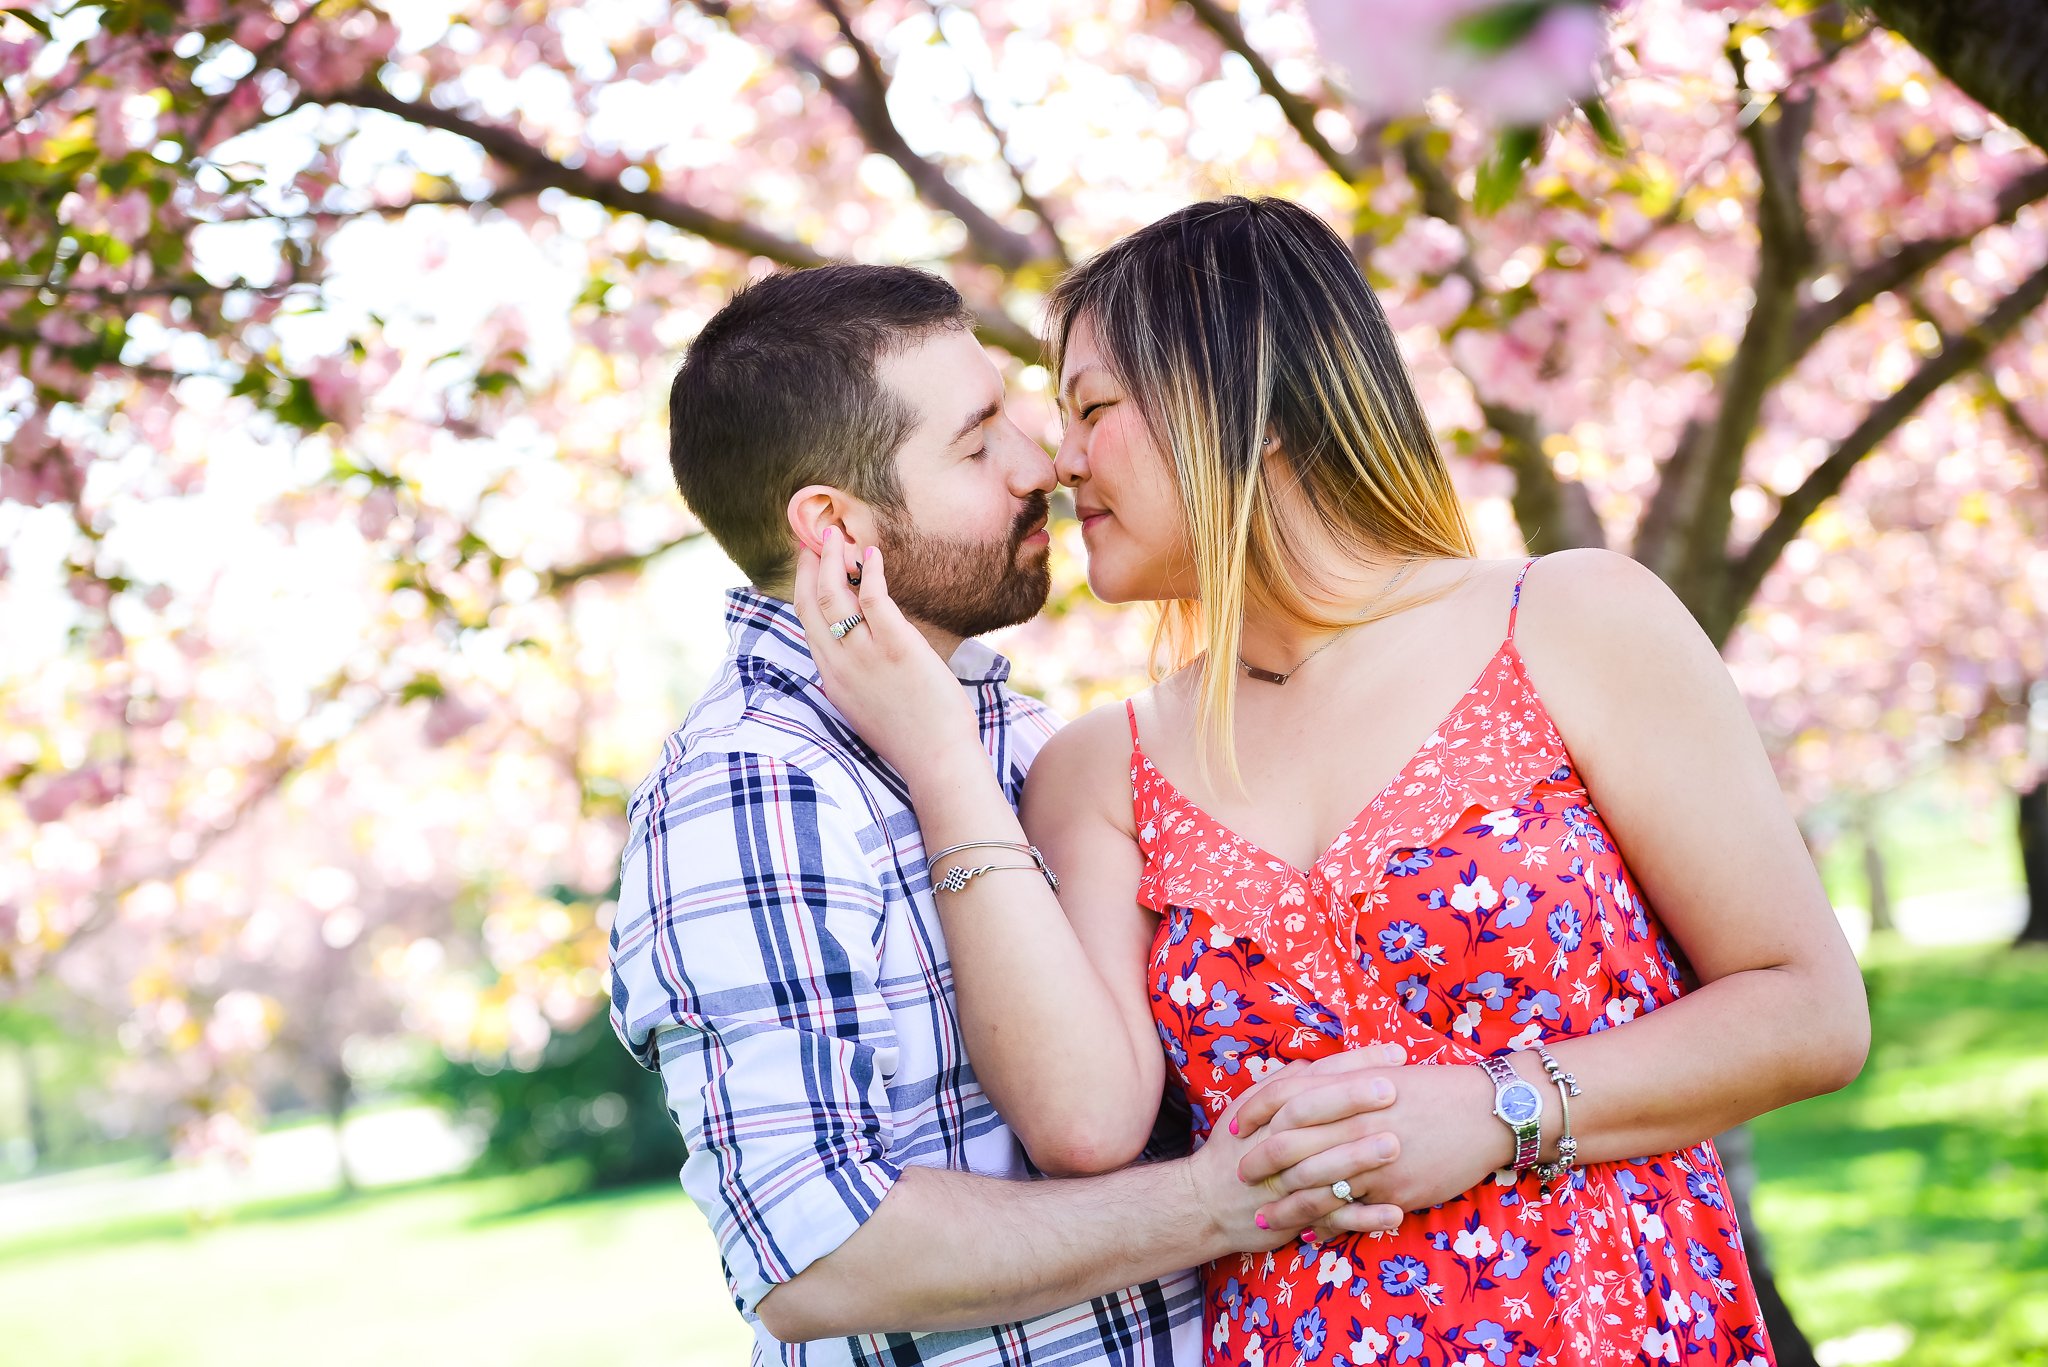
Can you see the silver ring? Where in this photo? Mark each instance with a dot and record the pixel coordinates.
(844, 625)
(1342, 1190)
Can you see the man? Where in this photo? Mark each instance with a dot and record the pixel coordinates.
(776, 956)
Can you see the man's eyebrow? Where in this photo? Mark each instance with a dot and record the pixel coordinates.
(987, 411)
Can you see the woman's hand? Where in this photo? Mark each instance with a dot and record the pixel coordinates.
(883, 676)
(1411, 1137)
(1254, 1216)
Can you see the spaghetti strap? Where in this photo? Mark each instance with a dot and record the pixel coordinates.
(1131, 711)
(1514, 607)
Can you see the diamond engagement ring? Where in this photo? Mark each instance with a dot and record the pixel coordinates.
(1342, 1191)
(844, 625)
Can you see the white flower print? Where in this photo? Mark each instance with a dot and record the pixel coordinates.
(1368, 1346)
(1188, 991)
(1474, 1243)
(1660, 1345)
(1334, 1269)
(1477, 894)
(1502, 823)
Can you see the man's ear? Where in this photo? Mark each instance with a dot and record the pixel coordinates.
(815, 507)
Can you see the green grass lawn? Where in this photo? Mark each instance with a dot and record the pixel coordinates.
(1913, 1204)
(1917, 1198)
(493, 1271)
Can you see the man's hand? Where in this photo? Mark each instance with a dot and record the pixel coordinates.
(1407, 1137)
(1252, 1205)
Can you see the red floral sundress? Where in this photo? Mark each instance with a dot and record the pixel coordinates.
(1475, 906)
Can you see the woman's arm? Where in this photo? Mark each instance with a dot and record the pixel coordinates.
(1053, 1010)
(1676, 770)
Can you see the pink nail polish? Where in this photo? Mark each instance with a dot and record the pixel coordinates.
(1233, 1124)
(1308, 1236)
(1260, 1221)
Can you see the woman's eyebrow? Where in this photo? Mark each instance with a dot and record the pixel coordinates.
(1067, 390)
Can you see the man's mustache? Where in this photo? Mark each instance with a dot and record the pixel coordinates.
(1036, 510)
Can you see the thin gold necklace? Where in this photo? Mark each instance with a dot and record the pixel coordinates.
(1269, 676)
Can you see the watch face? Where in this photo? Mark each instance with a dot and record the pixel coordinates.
(1519, 1103)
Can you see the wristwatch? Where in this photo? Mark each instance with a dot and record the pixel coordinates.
(1520, 1107)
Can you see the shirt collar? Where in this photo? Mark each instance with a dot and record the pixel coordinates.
(767, 628)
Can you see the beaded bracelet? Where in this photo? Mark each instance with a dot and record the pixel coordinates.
(1567, 1145)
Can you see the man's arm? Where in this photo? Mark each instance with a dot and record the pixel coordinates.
(746, 959)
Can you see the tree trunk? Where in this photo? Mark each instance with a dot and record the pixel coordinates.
(1996, 50)
(1876, 879)
(2033, 813)
(1788, 1341)
(340, 1095)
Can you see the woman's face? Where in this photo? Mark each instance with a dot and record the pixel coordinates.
(1124, 491)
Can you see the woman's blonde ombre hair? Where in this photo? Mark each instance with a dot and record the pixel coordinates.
(1231, 319)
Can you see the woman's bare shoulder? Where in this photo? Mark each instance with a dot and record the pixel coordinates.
(1086, 765)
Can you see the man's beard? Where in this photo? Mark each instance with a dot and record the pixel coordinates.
(963, 587)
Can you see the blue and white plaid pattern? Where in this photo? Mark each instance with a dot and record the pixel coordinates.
(777, 959)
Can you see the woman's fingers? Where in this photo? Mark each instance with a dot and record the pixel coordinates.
(1264, 1101)
(835, 597)
(805, 593)
(1356, 1217)
(1284, 1150)
(1354, 1162)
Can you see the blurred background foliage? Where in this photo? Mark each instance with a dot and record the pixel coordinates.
(344, 597)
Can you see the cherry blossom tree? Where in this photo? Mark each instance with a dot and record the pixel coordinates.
(338, 560)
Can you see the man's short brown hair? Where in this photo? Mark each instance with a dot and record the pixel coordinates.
(780, 391)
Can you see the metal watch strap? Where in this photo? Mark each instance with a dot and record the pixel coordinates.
(1529, 1136)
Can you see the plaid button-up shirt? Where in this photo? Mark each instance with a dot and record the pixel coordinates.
(777, 959)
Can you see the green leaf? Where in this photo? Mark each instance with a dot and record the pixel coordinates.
(29, 18)
(1601, 120)
(1501, 174)
(1496, 30)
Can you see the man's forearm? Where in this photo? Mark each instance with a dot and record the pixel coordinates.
(951, 1250)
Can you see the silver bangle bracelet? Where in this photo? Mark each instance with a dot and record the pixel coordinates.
(1567, 1143)
(946, 883)
(959, 876)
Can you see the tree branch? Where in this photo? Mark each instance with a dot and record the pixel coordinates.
(1299, 111)
(564, 577)
(1038, 207)
(1684, 531)
(1958, 352)
(865, 98)
(533, 164)
(1906, 263)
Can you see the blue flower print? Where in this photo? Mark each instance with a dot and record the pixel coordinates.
(1403, 1276)
(1630, 1184)
(1255, 1315)
(1538, 1003)
(1435, 900)
(1413, 992)
(1704, 1262)
(1179, 921)
(1401, 940)
(1516, 903)
(1227, 1052)
(1308, 1335)
(1413, 862)
(1226, 1010)
(1565, 927)
(1705, 1189)
(1406, 1332)
(1494, 1339)
(1532, 1356)
(1311, 1014)
(1174, 1049)
(1233, 1297)
(1514, 1257)
(1491, 988)
(1554, 1270)
(1702, 1317)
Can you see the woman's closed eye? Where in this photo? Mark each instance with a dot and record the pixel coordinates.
(1090, 410)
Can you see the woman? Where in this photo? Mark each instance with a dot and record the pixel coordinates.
(1399, 817)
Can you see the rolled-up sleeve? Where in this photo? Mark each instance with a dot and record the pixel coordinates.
(745, 961)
